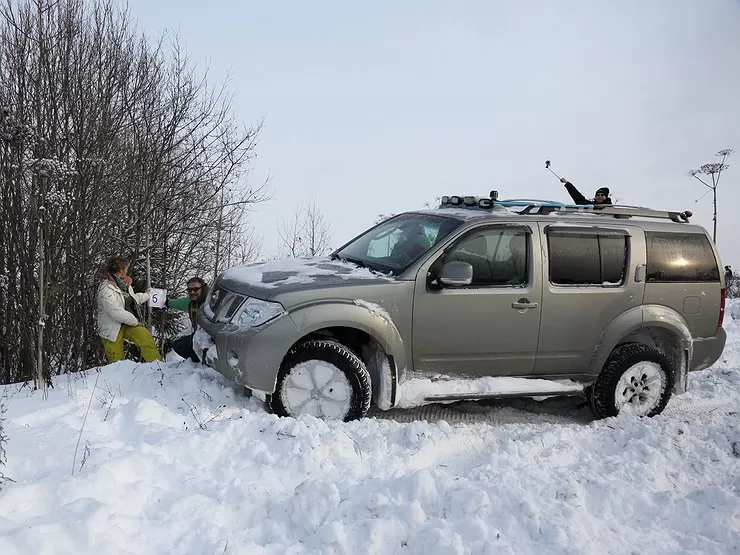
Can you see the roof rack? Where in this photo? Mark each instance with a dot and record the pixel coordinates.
(540, 207)
(614, 210)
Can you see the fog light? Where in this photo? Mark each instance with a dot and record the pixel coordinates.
(232, 358)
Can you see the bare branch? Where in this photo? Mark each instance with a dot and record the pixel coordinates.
(306, 234)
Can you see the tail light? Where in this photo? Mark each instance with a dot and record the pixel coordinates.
(722, 301)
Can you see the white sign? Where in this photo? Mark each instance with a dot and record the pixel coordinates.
(157, 298)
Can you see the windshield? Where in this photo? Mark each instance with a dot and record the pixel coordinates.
(398, 242)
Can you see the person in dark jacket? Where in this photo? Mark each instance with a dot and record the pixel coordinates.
(197, 290)
(600, 197)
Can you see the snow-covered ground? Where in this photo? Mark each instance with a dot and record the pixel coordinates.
(171, 459)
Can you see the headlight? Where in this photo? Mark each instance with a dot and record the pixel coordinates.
(255, 312)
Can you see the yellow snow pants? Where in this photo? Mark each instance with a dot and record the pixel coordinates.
(139, 336)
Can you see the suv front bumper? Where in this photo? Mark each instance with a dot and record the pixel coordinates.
(249, 356)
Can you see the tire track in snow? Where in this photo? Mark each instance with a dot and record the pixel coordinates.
(517, 411)
(698, 407)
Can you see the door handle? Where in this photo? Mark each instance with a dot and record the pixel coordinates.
(640, 272)
(523, 304)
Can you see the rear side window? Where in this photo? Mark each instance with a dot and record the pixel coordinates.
(680, 257)
(587, 258)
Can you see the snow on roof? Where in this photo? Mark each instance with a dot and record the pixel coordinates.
(463, 213)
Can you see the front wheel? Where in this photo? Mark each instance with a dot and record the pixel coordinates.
(636, 379)
(322, 378)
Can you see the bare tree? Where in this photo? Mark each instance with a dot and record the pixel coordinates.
(244, 246)
(714, 171)
(317, 231)
(307, 233)
(291, 235)
(110, 143)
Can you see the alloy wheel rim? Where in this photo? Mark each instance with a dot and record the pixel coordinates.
(317, 388)
(640, 388)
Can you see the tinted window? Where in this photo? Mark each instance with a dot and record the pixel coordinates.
(682, 257)
(498, 256)
(587, 258)
(613, 249)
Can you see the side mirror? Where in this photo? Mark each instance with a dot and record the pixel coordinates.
(456, 273)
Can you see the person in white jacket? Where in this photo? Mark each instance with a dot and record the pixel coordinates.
(119, 317)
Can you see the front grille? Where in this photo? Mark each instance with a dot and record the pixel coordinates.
(225, 305)
(216, 297)
(235, 304)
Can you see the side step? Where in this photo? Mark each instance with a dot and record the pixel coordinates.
(480, 396)
(421, 391)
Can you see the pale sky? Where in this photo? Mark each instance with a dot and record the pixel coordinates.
(381, 106)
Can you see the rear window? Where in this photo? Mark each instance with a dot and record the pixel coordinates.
(680, 257)
(587, 258)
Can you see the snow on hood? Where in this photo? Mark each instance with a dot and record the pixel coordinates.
(297, 272)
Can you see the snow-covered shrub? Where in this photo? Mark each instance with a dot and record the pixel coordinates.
(733, 308)
(733, 287)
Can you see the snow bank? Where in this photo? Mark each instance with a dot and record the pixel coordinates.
(173, 460)
(733, 308)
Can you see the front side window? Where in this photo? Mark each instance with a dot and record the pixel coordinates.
(398, 242)
(499, 257)
(587, 258)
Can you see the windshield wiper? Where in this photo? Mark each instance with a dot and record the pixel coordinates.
(357, 261)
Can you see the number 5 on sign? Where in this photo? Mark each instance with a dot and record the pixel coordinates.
(157, 298)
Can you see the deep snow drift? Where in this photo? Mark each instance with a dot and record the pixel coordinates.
(172, 459)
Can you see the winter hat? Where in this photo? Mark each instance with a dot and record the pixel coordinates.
(604, 190)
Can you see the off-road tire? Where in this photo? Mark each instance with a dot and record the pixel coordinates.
(335, 353)
(603, 390)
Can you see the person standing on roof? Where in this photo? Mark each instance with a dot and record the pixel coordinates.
(600, 197)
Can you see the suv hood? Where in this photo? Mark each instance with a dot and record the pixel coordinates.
(267, 279)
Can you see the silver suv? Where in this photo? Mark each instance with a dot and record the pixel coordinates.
(476, 299)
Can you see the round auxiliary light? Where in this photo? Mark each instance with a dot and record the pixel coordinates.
(445, 199)
(455, 200)
(469, 201)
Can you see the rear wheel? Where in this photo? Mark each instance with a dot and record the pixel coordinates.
(322, 378)
(636, 379)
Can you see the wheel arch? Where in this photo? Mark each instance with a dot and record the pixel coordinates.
(609, 385)
(658, 327)
(369, 333)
